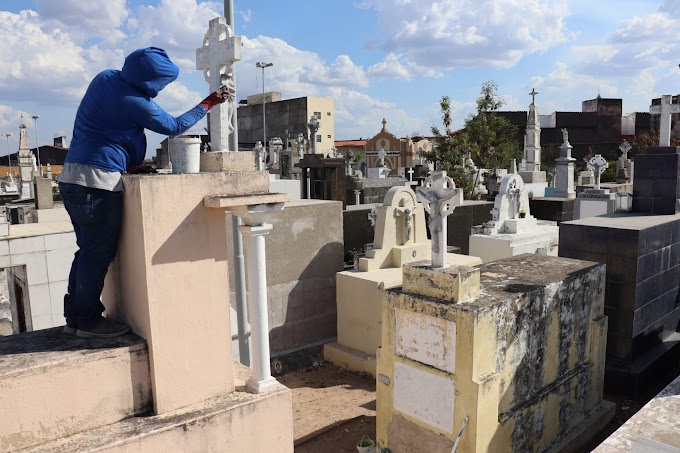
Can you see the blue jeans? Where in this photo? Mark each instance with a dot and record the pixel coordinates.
(96, 217)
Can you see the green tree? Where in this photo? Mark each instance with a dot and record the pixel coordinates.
(490, 139)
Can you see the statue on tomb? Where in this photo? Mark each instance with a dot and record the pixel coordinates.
(381, 155)
(259, 156)
(408, 213)
(372, 216)
(229, 97)
(349, 157)
(301, 145)
(565, 136)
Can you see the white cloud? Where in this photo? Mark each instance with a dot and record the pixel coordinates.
(246, 15)
(449, 33)
(398, 66)
(343, 72)
(87, 19)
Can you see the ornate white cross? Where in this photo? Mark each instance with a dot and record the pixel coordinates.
(440, 197)
(216, 58)
(597, 165)
(625, 149)
(381, 155)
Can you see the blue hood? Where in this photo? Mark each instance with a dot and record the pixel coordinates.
(150, 70)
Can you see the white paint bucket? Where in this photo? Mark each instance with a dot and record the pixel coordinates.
(185, 154)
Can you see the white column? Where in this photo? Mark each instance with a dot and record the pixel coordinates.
(665, 121)
(256, 263)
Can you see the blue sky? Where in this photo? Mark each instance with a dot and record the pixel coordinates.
(376, 58)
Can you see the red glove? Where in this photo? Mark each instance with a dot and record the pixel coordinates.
(214, 99)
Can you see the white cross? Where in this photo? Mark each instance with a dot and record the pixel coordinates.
(220, 50)
(665, 110)
(625, 149)
(440, 197)
(598, 165)
(410, 174)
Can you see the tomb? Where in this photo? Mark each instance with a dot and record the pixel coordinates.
(625, 167)
(530, 168)
(509, 354)
(595, 201)
(642, 254)
(512, 229)
(400, 238)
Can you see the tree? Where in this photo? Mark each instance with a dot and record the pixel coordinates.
(489, 139)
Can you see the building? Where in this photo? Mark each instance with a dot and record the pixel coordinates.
(286, 119)
(400, 153)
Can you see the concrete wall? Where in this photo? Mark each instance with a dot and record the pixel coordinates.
(304, 252)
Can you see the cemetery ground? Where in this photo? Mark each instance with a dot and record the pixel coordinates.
(334, 408)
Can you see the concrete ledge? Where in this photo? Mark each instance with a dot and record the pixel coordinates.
(584, 433)
(234, 422)
(228, 161)
(54, 385)
(231, 201)
(349, 359)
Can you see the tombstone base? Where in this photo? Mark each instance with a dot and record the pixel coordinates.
(227, 161)
(533, 176)
(594, 202)
(542, 240)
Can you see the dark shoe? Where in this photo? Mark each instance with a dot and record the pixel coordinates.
(104, 328)
(70, 329)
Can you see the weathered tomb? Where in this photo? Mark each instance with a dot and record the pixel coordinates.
(514, 350)
(400, 238)
(512, 230)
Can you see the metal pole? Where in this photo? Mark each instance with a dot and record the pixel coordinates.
(229, 15)
(264, 123)
(37, 148)
(237, 239)
(9, 158)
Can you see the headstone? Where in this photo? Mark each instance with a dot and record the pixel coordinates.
(665, 110)
(597, 164)
(656, 188)
(530, 170)
(43, 193)
(440, 197)
(400, 234)
(216, 58)
(349, 157)
(624, 166)
(259, 156)
(313, 126)
(275, 147)
(512, 229)
(564, 170)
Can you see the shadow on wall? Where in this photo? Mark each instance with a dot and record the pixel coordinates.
(304, 311)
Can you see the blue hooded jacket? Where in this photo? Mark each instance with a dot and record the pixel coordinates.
(109, 128)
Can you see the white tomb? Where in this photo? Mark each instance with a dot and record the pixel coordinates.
(512, 229)
(564, 170)
(382, 170)
(596, 201)
(530, 168)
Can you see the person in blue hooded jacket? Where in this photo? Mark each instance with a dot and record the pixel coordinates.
(108, 140)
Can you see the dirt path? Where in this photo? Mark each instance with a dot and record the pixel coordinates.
(324, 399)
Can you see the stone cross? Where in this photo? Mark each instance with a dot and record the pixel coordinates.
(665, 110)
(625, 149)
(216, 58)
(301, 145)
(533, 95)
(382, 155)
(259, 156)
(410, 174)
(349, 157)
(313, 126)
(598, 165)
(440, 197)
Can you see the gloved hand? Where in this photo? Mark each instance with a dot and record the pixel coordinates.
(215, 98)
(141, 169)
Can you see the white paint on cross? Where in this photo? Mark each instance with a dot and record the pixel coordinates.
(665, 110)
(216, 58)
(598, 165)
(440, 197)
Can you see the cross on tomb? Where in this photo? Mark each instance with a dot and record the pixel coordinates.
(533, 95)
(440, 197)
(381, 155)
(216, 58)
(625, 149)
(665, 110)
(597, 165)
(410, 174)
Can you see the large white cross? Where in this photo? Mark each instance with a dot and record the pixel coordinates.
(665, 110)
(598, 165)
(439, 197)
(216, 58)
(625, 149)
